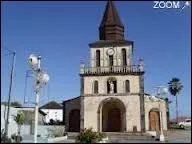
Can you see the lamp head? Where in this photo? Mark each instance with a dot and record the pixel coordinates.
(165, 90)
(32, 60)
(44, 77)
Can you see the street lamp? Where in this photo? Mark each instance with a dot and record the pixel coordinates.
(161, 93)
(42, 78)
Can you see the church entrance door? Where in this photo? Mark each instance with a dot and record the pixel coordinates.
(154, 121)
(114, 120)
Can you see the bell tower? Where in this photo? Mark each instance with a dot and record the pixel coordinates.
(112, 87)
(111, 27)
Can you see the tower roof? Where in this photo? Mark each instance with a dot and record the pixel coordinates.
(111, 27)
(110, 16)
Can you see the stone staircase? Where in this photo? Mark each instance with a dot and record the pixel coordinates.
(72, 135)
(119, 135)
(128, 135)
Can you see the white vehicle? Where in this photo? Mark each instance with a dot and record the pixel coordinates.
(186, 123)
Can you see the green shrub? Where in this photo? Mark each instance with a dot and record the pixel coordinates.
(100, 136)
(56, 132)
(89, 136)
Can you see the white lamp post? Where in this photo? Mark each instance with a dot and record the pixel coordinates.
(161, 92)
(41, 78)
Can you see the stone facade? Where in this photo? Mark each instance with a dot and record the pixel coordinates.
(92, 105)
(112, 87)
(155, 104)
(117, 58)
(72, 104)
(91, 110)
(102, 82)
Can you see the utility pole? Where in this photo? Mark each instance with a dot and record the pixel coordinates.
(9, 98)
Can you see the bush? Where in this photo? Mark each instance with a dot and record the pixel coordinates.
(56, 132)
(16, 138)
(89, 136)
(65, 134)
(100, 136)
(4, 139)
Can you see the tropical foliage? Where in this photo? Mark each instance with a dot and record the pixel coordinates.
(175, 86)
(89, 136)
(56, 132)
(19, 119)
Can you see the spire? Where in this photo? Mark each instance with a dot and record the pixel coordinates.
(111, 27)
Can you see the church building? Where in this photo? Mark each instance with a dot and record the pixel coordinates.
(112, 97)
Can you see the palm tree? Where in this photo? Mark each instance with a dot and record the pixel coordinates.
(175, 87)
(19, 119)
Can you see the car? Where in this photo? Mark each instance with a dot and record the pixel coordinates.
(186, 123)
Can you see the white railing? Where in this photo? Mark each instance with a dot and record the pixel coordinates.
(111, 69)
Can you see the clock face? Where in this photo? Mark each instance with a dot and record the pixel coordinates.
(110, 51)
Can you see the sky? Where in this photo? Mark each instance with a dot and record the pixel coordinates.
(61, 31)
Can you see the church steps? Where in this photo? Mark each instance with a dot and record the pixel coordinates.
(119, 135)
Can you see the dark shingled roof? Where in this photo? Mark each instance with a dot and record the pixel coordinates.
(110, 16)
(71, 99)
(111, 27)
(52, 105)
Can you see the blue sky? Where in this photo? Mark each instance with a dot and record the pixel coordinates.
(61, 31)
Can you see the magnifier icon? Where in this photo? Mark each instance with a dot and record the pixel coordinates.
(187, 4)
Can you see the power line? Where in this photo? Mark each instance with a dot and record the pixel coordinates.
(48, 92)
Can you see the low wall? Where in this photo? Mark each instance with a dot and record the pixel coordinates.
(43, 129)
(25, 129)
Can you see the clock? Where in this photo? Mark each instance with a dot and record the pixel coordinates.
(110, 51)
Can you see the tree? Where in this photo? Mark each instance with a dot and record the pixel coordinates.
(175, 86)
(15, 103)
(19, 119)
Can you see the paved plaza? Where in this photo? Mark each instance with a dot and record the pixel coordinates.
(171, 136)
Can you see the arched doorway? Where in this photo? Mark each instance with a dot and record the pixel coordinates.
(154, 120)
(112, 116)
(74, 120)
(114, 120)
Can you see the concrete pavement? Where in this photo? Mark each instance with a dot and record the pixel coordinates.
(171, 136)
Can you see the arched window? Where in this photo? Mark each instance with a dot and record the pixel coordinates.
(112, 85)
(97, 58)
(95, 87)
(124, 57)
(127, 86)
